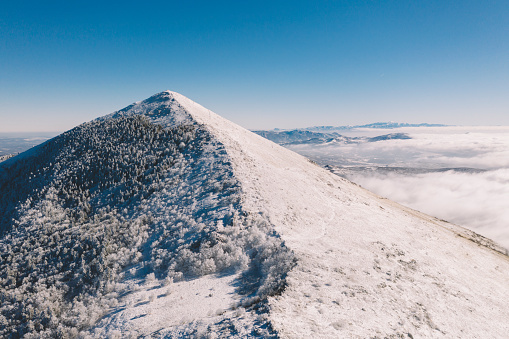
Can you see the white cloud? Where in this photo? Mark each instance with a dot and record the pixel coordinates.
(479, 201)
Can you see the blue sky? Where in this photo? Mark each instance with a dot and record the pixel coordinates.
(261, 64)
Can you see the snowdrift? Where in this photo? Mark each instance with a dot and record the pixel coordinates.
(164, 219)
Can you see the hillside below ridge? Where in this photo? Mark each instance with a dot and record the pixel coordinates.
(232, 235)
(366, 266)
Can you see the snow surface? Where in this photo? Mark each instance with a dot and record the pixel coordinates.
(153, 308)
(366, 267)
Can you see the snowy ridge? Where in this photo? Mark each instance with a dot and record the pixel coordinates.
(366, 267)
(181, 223)
(380, 125)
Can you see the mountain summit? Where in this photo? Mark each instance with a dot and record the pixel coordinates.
(165, 220)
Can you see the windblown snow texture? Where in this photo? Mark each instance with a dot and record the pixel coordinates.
(145, 191)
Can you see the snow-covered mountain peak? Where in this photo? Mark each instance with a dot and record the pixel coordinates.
(164, 219)
(169, 109)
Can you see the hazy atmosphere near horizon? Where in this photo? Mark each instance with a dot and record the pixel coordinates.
(261, 64)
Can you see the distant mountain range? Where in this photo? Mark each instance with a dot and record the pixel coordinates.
(331, 134)
(380, 125)
(296, 137)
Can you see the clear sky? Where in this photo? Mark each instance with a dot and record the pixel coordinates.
(261, 64)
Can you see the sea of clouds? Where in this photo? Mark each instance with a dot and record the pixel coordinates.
(460, 174)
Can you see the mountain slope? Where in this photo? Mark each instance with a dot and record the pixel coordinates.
(165, 219)
(366, 266)
(117, 206)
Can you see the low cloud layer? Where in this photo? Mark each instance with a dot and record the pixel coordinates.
(475, 147)
(477, 199)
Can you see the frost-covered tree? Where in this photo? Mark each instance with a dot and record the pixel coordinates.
(123, 196)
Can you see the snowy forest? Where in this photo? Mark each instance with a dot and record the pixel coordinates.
(119, 198)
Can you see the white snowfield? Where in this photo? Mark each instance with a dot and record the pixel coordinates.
(366, 266)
